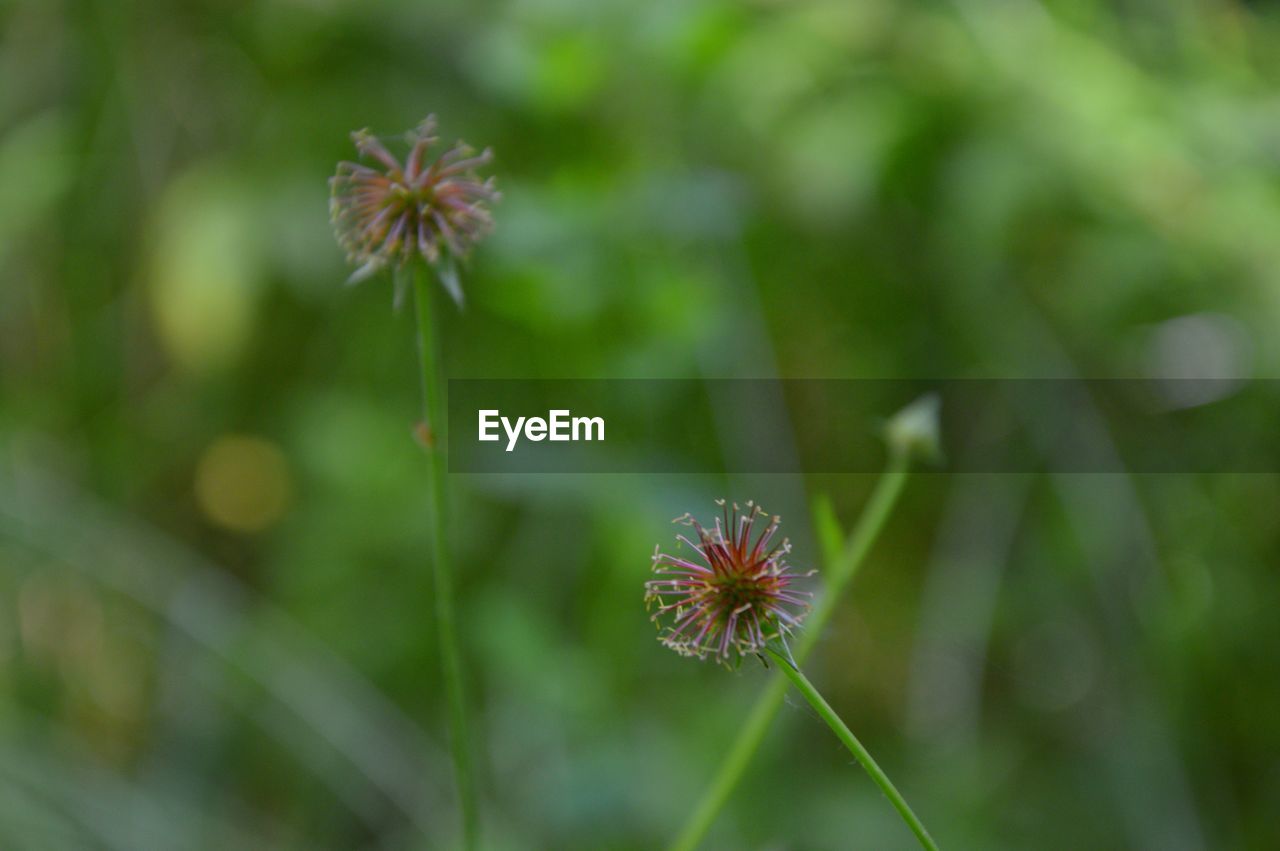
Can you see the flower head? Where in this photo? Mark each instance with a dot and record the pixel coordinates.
(735, 596)
(392, 213)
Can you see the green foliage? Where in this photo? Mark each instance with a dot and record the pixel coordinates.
(692, 188)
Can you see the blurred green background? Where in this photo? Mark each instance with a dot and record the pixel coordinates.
(215, 614)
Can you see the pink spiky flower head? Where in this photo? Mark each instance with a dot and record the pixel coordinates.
(392, 214)
(733, 595)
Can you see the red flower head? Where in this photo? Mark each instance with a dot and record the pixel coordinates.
(736, 596)
(390, 215)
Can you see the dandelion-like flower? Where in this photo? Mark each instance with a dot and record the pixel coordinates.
(737, 595)
(390, 215)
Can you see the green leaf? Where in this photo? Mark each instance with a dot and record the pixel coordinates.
(826, 526)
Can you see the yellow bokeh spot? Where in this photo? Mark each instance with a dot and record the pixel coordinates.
(204, 272)
(243, 483)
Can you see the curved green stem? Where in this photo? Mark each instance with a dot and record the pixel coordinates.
(879, 507)
(442, 574)
(850, 741)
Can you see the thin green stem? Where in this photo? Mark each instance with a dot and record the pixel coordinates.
(441, 568)
(850, 741)
(766, 708)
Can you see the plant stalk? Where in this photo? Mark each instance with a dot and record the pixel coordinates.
(433, 436)
(850, 741)
(887, 490)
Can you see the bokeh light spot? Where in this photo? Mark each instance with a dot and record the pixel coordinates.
(243, 483)
(204, 271)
